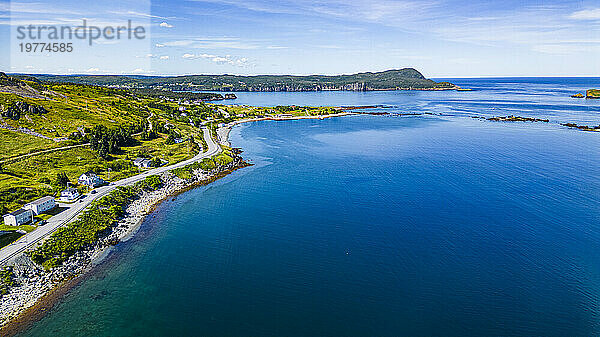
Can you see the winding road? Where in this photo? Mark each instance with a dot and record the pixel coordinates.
(73, 210)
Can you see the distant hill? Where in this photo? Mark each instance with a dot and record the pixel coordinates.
(401, 79)
(10, 84)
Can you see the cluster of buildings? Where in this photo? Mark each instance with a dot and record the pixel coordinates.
(25, 214)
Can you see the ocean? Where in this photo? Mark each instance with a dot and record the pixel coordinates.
(430, 225)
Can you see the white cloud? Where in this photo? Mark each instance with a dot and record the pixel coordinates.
(567, 48)
(542, 29)
(227, 59)
(165, 25)
(154, 56)
(139, 14)
(93, 70)
(389, 12)
(214, 43)
(178, 43)
(586, 14)
(138, 71)
(159, 45)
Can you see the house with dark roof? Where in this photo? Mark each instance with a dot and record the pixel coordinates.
(69, 194)
(18, 217)
(90, 178)
(142, 162)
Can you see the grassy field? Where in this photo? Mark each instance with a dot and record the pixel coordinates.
(15, 143)
(27, 228)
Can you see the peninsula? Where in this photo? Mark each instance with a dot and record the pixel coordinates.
(397, 79)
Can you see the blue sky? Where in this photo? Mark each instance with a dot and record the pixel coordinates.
(440, 38)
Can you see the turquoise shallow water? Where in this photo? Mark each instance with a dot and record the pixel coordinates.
(365, 226)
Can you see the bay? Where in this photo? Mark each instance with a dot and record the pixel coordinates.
(434, 225)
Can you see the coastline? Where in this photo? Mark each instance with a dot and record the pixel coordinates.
(223, 132)
(38, 290)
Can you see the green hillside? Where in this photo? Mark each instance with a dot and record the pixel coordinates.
(52, 129)
(402, 79)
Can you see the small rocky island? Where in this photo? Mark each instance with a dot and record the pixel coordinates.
(582, 127)
(512, 118)
(590, 93)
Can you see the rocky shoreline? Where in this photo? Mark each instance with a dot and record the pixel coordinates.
(37, 289)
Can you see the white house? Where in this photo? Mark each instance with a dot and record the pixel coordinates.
(181, 108)
(18, 217)
(41, 205)
(69, 194)
(142, 162)
(90, 179)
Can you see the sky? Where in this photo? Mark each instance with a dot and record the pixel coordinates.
(440, 38)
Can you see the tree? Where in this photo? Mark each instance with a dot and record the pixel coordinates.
(155, 162)
(105, 141)
(170, 140)
(62, 179)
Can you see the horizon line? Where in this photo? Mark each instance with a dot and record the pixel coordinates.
(299, 75)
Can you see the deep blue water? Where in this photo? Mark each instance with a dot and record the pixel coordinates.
(369, 226)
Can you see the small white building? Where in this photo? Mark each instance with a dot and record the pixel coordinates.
(69, 194)
(181, 108)
(142, 162)
(18, 217)
(41, 205)
(90, 179)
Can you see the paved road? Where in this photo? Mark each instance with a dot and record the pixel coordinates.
(59, 220)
